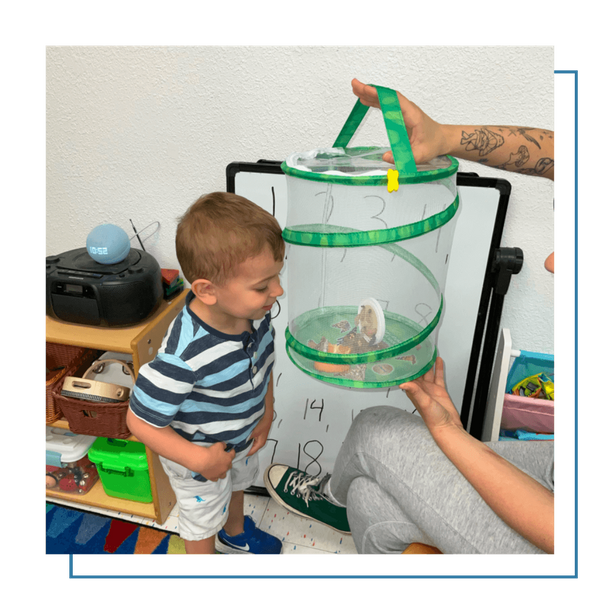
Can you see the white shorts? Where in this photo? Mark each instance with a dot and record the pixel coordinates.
(204, 506)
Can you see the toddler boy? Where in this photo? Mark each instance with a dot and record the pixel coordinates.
(205, 403)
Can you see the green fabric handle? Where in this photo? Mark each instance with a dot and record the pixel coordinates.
(394, 124)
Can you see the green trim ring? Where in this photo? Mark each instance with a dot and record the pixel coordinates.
(367, 357)
(365, 384)
(373, 180)
(343, 237)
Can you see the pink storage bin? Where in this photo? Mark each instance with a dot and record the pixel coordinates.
(520, 412)
(530, 414)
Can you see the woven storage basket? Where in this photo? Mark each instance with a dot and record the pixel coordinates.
(96, 418)
(62, 361)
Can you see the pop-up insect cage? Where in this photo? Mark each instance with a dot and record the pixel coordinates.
(368, 243)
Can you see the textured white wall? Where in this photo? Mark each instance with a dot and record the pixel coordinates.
(141, 132)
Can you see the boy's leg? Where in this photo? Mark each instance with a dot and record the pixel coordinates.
(202, 507)
(240, 534)
(206, 546)
(235, 521)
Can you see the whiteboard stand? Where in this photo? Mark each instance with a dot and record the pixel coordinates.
(311, 417)
(507, 262)
(495, 404)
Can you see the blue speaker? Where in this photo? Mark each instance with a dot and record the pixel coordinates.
(108, 244)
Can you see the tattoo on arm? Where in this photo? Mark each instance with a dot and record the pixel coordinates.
(518, 159)
(484, 141)
(523, 131)
(542, 165)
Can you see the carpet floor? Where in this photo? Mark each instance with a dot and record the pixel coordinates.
(71, 531)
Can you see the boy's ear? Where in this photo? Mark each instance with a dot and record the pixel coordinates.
(204, 290)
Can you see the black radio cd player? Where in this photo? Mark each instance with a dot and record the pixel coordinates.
(81, 290)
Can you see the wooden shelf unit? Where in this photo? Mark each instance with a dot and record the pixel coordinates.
(142, 341)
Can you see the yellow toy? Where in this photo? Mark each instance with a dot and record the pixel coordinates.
(536, 386)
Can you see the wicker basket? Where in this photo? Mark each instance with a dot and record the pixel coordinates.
(62, 361)
(101, 419)
(96, 418)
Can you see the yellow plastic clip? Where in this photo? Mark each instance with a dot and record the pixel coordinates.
(392, 180)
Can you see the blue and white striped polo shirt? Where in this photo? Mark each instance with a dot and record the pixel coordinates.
(208, 386)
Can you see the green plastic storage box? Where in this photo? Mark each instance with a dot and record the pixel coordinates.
(123, 468)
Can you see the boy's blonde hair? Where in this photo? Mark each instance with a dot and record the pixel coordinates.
(219, 232)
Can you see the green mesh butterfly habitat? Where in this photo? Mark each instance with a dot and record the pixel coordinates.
(368, 251)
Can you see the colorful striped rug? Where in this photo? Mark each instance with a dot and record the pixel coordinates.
(75, 532)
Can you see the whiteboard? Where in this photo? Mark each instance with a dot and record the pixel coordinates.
(312, 417)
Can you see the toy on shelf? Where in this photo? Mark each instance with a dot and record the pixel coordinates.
(536, 386)
(68, 468)
(357, 229)
(172, 283)
(78, 477)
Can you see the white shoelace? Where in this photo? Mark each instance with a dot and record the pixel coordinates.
(301, 485)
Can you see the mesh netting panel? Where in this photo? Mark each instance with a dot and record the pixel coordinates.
(366, 315)
(368, 250)
(333, 279)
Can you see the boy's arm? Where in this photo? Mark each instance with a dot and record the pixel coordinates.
(261, 431)
(212, 462)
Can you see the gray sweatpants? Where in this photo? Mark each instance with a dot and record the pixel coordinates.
(399, 488)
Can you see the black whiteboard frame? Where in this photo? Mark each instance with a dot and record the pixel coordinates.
(472, 407)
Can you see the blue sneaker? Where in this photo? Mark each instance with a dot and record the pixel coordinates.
(252, 541)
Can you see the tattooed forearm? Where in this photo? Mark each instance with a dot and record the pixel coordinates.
(520, 149)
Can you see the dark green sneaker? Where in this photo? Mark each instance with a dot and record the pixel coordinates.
(300, 493)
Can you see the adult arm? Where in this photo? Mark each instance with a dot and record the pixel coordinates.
(526, 150)
(519, 500)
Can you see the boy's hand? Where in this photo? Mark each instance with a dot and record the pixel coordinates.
(215, 462)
